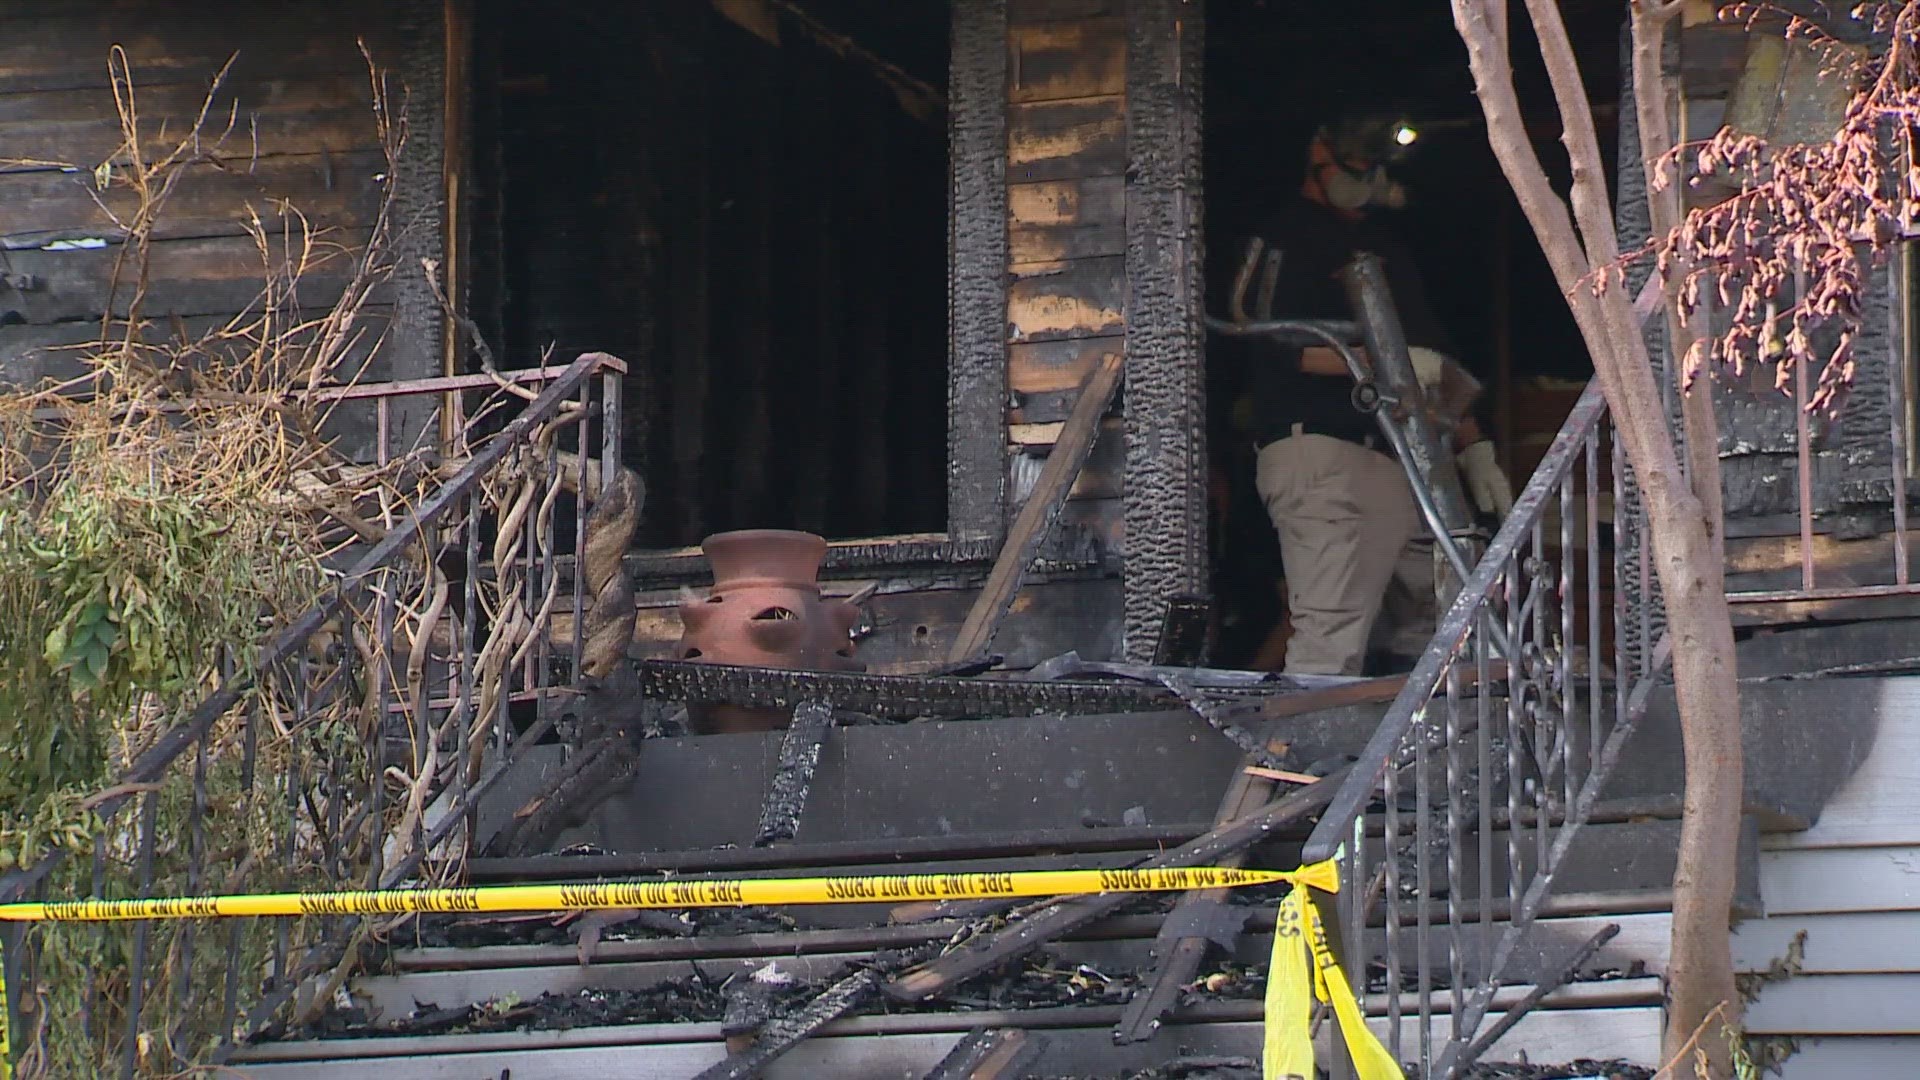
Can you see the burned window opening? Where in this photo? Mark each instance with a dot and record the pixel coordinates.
(755, 216)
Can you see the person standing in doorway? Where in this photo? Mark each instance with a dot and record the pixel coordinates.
(1352, 543)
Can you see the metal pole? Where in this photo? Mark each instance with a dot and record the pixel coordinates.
(1426, 445)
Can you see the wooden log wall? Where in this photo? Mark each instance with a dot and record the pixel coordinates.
(303, 137)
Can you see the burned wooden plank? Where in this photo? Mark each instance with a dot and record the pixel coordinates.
(991, 950)
(1075, 298)
(596, 770)
(1078, 218)
(81, 127)
(586, 930)
(328, 190)
(59, 351)
(1047, 406)
(750, 1005)
(1064, 59)
(779, 1036)
(1056, 367)
(215, 276)
(1039, 512)
(1077, 839)
(1215, 714)
(1024, 12)
(1101, 477)
(799, 754)
(1180, 953)
(65, 46)
(1061, 140)
(902, 697)
(989, 1054)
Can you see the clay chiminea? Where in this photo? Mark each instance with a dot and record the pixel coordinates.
(765, 610)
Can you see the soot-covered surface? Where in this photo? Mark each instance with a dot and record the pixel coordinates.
(1235, 1068)
(465, 932)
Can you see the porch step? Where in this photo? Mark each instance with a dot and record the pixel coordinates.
(1618, 1013)
(1623, 1019)
(447, 979)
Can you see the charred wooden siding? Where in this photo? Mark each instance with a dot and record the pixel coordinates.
(1852, 455)
(1756, 419)
(1102, 232)
(1066, 233)
(302, 136)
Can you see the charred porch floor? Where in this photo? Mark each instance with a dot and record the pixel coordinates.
(661, 997)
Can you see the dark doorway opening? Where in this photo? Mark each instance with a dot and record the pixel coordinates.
(1274, 72)
(752, 214)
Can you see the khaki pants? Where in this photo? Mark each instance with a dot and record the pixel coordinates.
(1352, 544)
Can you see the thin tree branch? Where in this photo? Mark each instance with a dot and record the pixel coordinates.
(1591, 207)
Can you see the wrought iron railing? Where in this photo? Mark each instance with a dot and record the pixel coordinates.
(1462, 808)
(353, 751)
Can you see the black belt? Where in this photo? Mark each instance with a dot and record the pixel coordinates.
(1372, 440)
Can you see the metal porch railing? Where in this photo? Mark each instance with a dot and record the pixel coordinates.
(351, 754)
(1485, 738)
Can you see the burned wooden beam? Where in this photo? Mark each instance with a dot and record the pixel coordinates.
(1178, 947)
(897, 697)
(1215, 714)
(750, 1006)
(991, 950)
(595, 771)
(587, 929)
(906, 697)
(799, 754)
(1013, 844)
(779, 1036)
(609, 748)
(1040, 511)
(989, 1054)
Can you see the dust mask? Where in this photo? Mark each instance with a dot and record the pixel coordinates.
(1350, 192)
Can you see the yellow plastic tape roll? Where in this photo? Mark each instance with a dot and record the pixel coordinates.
(761, 892)
(1302, 970)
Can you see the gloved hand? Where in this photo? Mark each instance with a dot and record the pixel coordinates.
(1429, 367)
(1486, 484)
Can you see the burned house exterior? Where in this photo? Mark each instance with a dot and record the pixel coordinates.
(782, 351)
(758, 207)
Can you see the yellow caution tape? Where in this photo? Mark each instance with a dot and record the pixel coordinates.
(769, 892)
(1303, 969)
(6, 1051)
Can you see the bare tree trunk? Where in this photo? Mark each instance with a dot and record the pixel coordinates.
(1700, 967)
(1684, 520)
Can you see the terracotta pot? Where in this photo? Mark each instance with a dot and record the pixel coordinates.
(765, 610)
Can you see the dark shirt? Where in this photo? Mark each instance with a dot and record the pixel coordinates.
(1314, 243)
